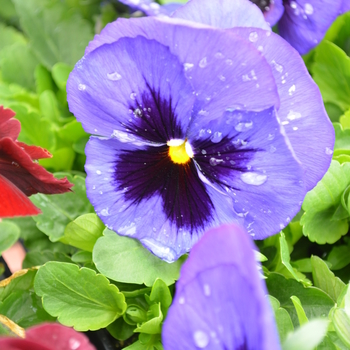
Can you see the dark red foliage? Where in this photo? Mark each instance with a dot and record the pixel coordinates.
(20, 175)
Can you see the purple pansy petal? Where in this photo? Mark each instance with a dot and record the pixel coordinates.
(121, 210)
(301, 111)
(245, 156)
(220, 298)
(345, 6)
(305, 22)
(151, 8)
(218, 74)
(223, 13)
(273, 12)
(135, 99)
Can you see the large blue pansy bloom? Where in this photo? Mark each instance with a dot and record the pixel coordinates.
(220, 300)
(303, 23)
(197, 127)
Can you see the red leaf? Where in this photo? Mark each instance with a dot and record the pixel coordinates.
(18, 167)
(8, 127)
(13, 202)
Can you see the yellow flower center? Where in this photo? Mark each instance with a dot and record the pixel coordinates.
(179, 154)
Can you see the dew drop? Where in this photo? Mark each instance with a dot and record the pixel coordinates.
(203, 62)
(255, 179)
(98, 172)
(291, 90)
(278, 67)
(81, 87)
(201, 339)
(181, 300)
(244, 126)
(114, 76)
(293, 115)
(329, 151)
(214, 162)
(253, 37)
(270, 137)
(217, 137)
(104, 212)
(204, 151)
(133, 96)
(308, 8)
(206, 289)
(229, 62)
(188, 66)
(272, 149)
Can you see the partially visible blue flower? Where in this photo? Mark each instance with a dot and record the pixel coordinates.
(151, 8)
(304, 22)
(197, 127)
(220, 301)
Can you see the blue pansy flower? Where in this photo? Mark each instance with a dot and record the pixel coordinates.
(220, 300)
(197, 126)
(304, 23)
(152, 8)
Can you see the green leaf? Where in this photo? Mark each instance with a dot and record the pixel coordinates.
(9, 36)
(49, 24)
(339, 32)
(339, 257)
(60, 73)
(153, 325)
(119, 259)
(84, 231)
(49, 106)
(78, 297)
(342, 140)
(321, 203)
(331, 72)
(316, 303)
(20, 280)
(62, 159)
(43, 79)
(37, 258)
(307, 337)
(325, 279)
(24, 308)
(72, 131)
(299, 309)
(59, 210)
(341, 323)
(283, 320)
(18, 65)
(161, 294)
(82, 257)
(120, 330)
(9, 234)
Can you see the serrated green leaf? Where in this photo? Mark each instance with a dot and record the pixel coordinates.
(119, 258)
(60, 209)
(316, 303)
(9, 234)
(20, 280)
(299, 309)
(37, 258)
(321, 203)
(283, 320)
(48, 24)
(84, 231)
(331, 71)
(78, 297)
(24, 308)
(307, 337)
(325, 279)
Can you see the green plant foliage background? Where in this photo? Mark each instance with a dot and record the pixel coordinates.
(85, 276)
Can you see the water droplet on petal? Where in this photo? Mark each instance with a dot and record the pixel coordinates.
(201, 339)
(114, 76)
(81, 87)
(104, 212)
(74, 344)
(206, 289)
(270, 137)
(214, 162)
(203, 62)
(98, 172)
(253, 37)
(291, 90)
(255, 179)
(133, 95)
(308, 8)
(188, 66)
(217, 137)
(278, 67)
(181, 300)
(293, 115)
(329, 151)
